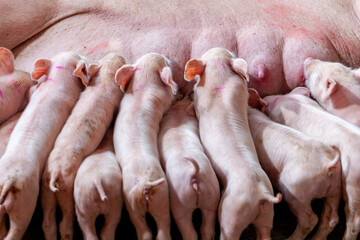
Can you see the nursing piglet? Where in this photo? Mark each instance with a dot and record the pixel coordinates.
(97, 190)
(299, 111)
(33, 137)
(14, 86)
(335, 87)
(6, 129)
(221, 100)
(192, 180)
(148, 86)
(81, 134)
(301, 167)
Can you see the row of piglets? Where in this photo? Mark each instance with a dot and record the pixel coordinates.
(336, 88)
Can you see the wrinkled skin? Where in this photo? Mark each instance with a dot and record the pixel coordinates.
(80, 136)
(302, 169)
(220, 99)
(34, 136)
(149, 90)
(335, 87)
(274, 37)
(192, 180)
(97, 190)
(14, 86)
(298, 111)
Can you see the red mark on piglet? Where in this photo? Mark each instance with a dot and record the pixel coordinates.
(138, 69)
(1, 95)
(275, 100)
(59, 67)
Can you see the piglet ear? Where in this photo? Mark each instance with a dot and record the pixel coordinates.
(301, 90)
(331, 86)
(94, 70)
(81, 71)
(166, 77)
(255, 100)
(240, 66)
(6, 61)
(192, 68)
(123, 76)
(41, 68)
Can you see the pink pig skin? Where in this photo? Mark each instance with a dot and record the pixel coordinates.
(221, 106)
(335, 87)
(6, 129)
(148, 95)
(80, 136)
(33, 137)
(192, 180)
(302, 168)
(14, 86)
(304, 114)
(97, 190)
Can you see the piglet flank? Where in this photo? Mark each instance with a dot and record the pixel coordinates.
(149, 186)
(331, 165)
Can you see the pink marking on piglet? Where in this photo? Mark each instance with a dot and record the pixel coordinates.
(10, 131)
(1, 95)
(222, 64)
(138, 69)
(218, 89)
(275, 100)
(60, 67)
(51, 80)
(17, 87)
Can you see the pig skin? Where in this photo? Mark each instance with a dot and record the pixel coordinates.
(298, 111)
(191, 178)
(80, 136)
(35, 134)
(220, 99)
(97, 190)
(147, 96)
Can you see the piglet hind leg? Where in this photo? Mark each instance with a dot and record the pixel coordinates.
(160, 210)
(306, 218)
(264, 221)
(3, 229)
(183, 218)
(137, 217)
(352, 213)
(87, 225)
(18, 227)
(111, 221)
(329, 217)
(207, 228)
(67, 206)
(48, 205)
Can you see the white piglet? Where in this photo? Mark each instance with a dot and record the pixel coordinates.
(192, 180)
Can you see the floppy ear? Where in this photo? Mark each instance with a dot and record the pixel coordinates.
(166, 77)
(192, 68)
(81, 71)
(255, 100)
(94, 70)
(240, 66)
(123, 76)
(331, 86)
(6, 61)
(41, 68)
(301, 90)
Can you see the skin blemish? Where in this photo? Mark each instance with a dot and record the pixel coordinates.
(10, 131)
(1, 95)
(222, 65)
(218, 89)
(59, 67)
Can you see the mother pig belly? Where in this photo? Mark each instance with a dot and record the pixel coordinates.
(264, 33)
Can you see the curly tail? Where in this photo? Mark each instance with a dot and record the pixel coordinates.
(332, 165)
(194, 180)
(100, 189)
(54, 182)
(149, 186)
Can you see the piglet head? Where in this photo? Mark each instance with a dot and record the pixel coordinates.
(123, 76)
(6, 61)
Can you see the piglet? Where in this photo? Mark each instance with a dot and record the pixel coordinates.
(148, 86)
(297, 110)
(192, 180)
(335, 87)
(97, 190)
(79, 137)
(6, 129)
(14, 86)
(33, 137)
(301, 167)
(220, 99)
